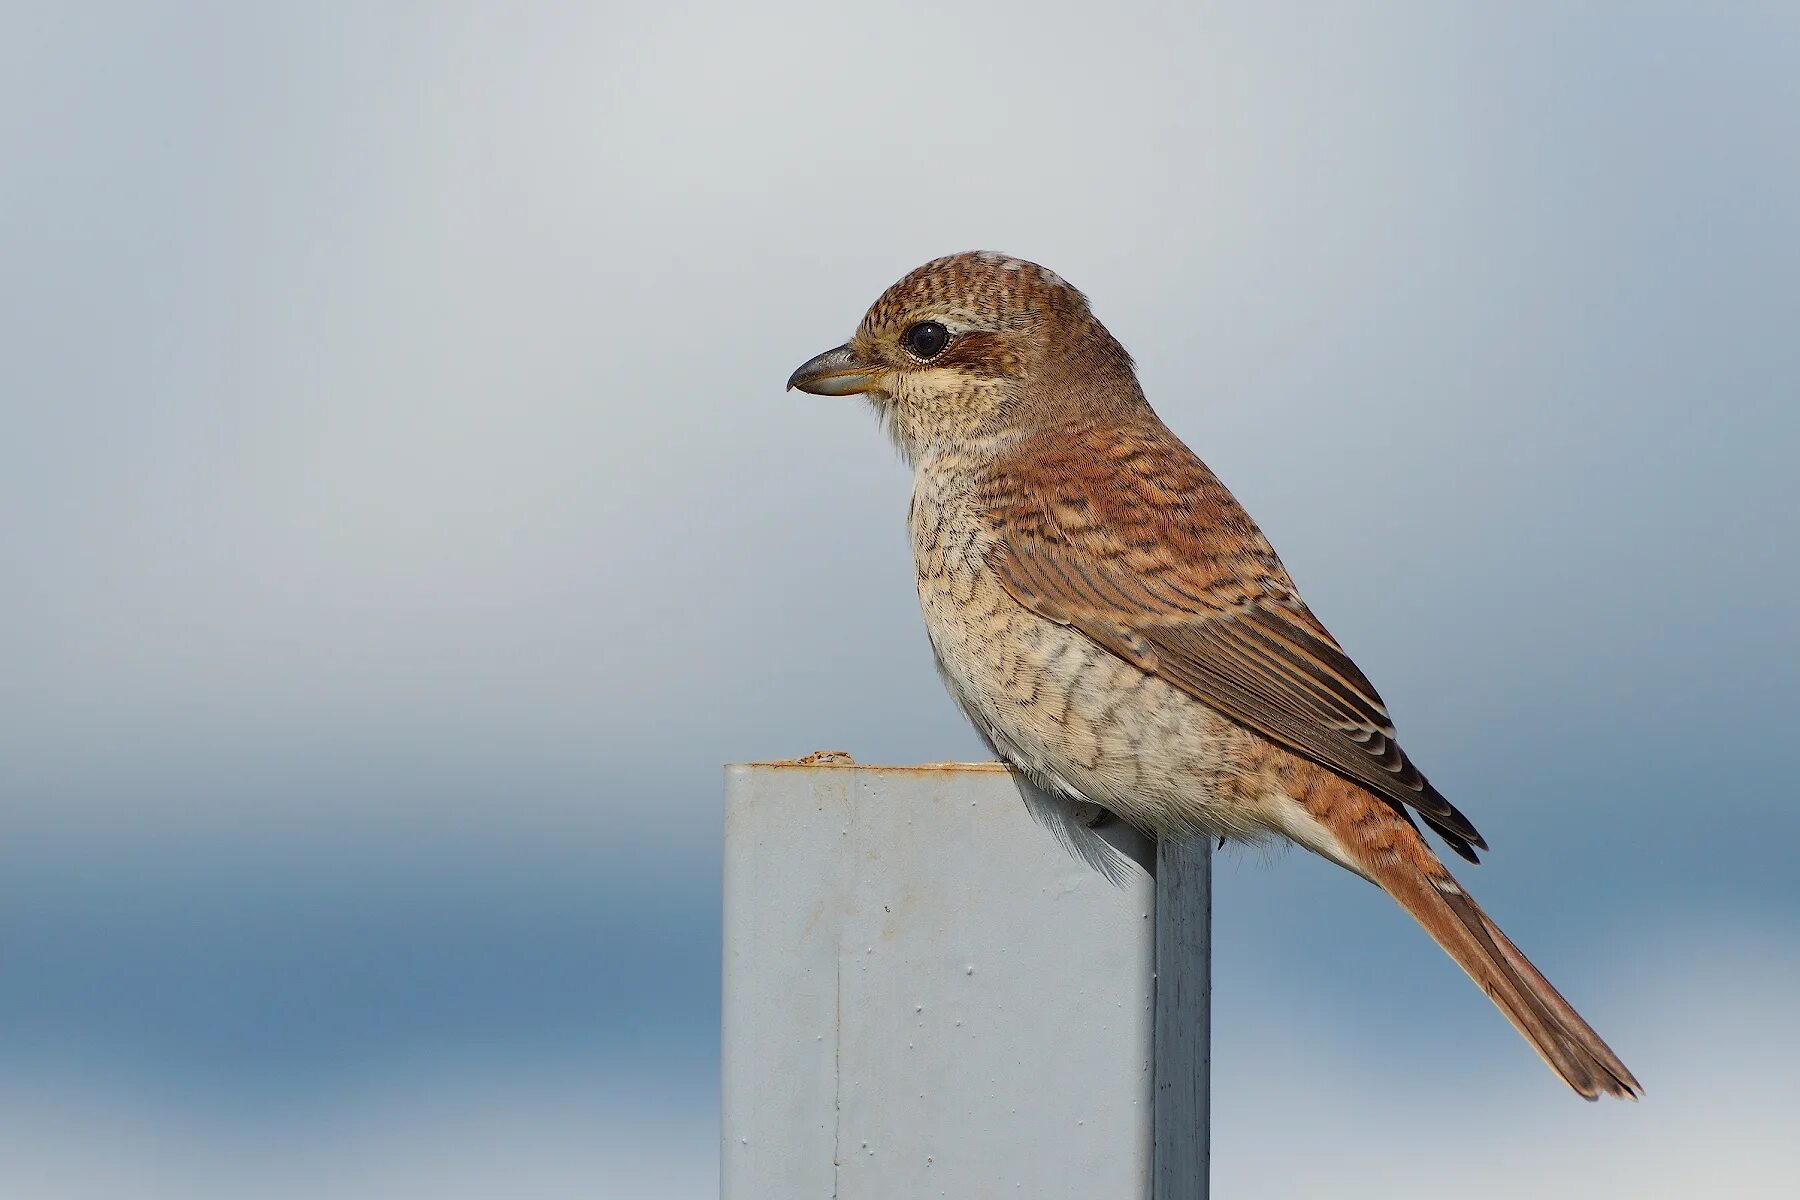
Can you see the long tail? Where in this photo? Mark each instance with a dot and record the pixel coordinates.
(1390, 852)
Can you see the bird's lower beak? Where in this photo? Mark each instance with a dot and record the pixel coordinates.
(835, 373)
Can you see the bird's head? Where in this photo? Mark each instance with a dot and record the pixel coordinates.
(971, 348)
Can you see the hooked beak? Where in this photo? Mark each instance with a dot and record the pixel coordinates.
(836, 372)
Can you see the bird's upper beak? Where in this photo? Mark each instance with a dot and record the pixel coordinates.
(836, 372)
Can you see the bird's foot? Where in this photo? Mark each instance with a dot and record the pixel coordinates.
(1092, 815)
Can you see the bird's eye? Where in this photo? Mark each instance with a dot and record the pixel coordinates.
(926, 340)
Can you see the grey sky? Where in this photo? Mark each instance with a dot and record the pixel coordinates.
(395, 442)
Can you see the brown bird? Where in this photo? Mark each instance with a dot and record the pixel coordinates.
(1119, 629)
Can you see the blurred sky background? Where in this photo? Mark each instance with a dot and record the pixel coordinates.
(402, 521)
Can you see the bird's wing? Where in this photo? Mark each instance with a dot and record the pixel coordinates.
(1127, 536)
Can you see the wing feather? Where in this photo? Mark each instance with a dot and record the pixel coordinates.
(1126, 536)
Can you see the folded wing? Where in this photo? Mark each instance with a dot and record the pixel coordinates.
(1127, 536)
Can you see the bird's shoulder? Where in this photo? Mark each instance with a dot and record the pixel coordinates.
(1131, 502)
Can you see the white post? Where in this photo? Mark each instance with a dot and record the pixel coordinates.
(931, 989)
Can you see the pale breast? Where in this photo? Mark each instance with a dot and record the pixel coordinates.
(1074, 717)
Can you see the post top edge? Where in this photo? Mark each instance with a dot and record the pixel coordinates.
(824, 764)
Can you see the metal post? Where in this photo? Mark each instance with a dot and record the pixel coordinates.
(1183, 1018)
(933, 989)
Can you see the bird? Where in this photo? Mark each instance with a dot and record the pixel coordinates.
(1121, 632)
